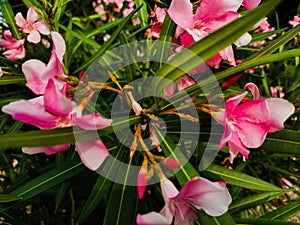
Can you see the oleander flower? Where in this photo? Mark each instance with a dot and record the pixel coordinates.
(247, 124)
(198, 193)
(30, 26)
(15, 48)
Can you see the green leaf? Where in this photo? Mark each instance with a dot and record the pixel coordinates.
(60, 195)
(8, 198)
(209, 46)
(225, 219)
(142, 13)
(9, 16)
(238, 179)
(284, 141)
(100, 188)
(276, 43)
(262, 36)
(253, 200)
(108, 43)
(46, 181)
(258, 221)
(186, 170)
(11, 80)
(256, 62)
(122, 196)
(127, 54)
(284, 212)
(58, 136)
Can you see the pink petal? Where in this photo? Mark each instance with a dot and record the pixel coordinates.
(92, 153)
(228, 55)
(245, 39)
(251, 134)
(255, 111)
(59, 46)
(20, 21)
(172, 164)
(33, 70)
(42, 27)
(91, 121)
(55, 102)
(1, 72)
(34, 36)
(232, 103)
(251, 4)
(254, 90)
(226, 136)
(32, 16)
(48, 150)
(168, 189)
(181, 12)
(210, 9)
(152, 218)
(160, 14)
(31, 112)
(15, 54)
(142, 184)
(236, 146)
(280, 110)
(215, 61)
(185, 215)
(212, 197)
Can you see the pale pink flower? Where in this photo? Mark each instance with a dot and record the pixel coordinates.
(1, 72)
(210, 16)
(199, 193)
(15, 47)
(157, 15)
(295, 21)
(247, 124)
(37, 73)
(30, 26)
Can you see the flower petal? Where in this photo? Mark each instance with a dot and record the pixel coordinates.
(92, 153)
(251, 4)
(232, 103)
(254, 90)
(280, 110)
(20, 21)
(59, 46)
(31, 112)
(236, 146)
(34, 37)
(168, 189)
(243, 40)
(185, 215)
(56, 102)
(152, 218)
(32, 16)
(42, 27)
(181, 12)
(90, 121)
(48, 150)
(33, 70)
(204, 194)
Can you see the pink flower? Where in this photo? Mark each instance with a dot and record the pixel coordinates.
(157, 15)
(277, 90)
(247, 124)
(30, 26)
(251, 4)
(1, 72)
(53, 110)
(37, 73)
(15, 47)
(295, 21)
(210, 16)
(199, 193)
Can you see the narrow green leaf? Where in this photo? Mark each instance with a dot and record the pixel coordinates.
(225, 219)
(253, 200)
(12, 80)
(58, 136)
(258, 221)
(262, 36)
(284, 141)
(46, 181)
(108, 43)
(284, 212)
(9, 16)
(209, 46)
(127, 57)
(238, 179)
(186, 170)
(60, 195)
(81, 37)
(142, 14)
(8, 198)
(276, 43)
(122, 196)
(256, 62)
